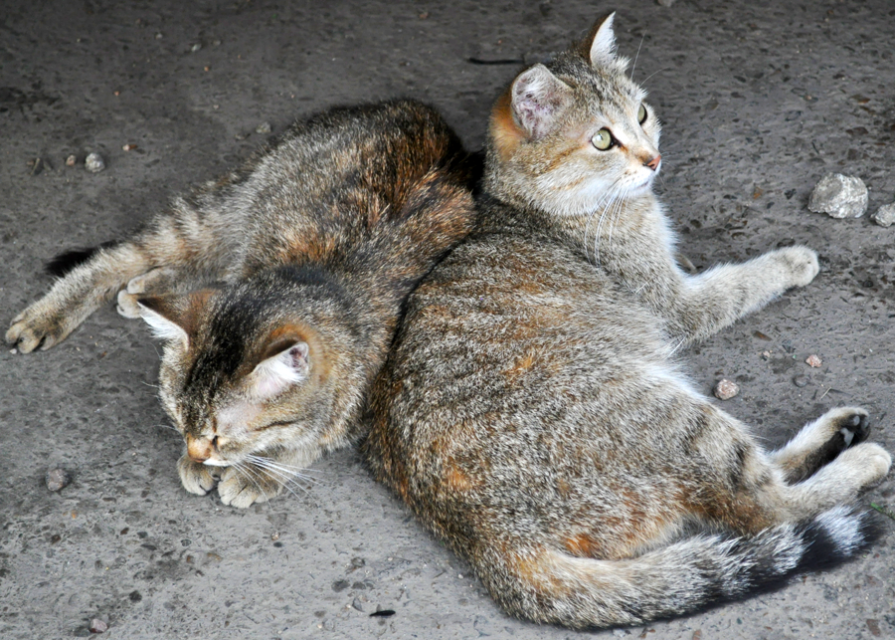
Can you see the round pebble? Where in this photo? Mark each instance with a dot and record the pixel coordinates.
(57, 479)
(94, 163)
(800, 381)
(885, 215)
(98, 626)
(726, 389)
(839, 196)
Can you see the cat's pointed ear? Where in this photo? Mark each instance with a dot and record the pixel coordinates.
(285, 363)
(172, 316)
(599, 47)
(538, 99)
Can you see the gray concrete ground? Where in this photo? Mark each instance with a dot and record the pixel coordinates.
(759, 100)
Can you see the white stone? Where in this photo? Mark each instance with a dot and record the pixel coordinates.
(94, 163)
(839, 196)
(885, 215)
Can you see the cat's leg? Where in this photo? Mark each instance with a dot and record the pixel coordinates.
(747, 490)
(75, 296)
(176, 240)
(710, 301)
(819, 442)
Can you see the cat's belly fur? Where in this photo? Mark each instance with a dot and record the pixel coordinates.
(512, 347)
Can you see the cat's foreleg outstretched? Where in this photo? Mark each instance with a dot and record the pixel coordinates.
(74, 297)
(715, 299)
(179, 239)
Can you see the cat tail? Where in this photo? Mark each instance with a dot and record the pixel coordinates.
(691, 574)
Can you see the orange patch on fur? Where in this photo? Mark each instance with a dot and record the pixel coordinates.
(520, 367)
(507, 135)
(457, 480)
(582, 545)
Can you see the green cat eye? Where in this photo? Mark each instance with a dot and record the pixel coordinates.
(603, 139)
(641, 114)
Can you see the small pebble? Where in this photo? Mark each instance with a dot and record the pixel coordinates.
(765, 355)
(129, 147)
(196, 47)
(94, 163)
(800, 381)
(885, 215)
(813, 361)
(264, 127)
(839, 196)
(98, 626)
(726, 389)
(57, 479)
(71, 161)
(356, 603)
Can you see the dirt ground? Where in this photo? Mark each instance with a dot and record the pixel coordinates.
(759, 100)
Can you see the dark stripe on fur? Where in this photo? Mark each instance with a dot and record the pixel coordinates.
(67, 260)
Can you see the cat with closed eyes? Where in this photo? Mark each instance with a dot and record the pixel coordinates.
(533, 412)
(278, 288)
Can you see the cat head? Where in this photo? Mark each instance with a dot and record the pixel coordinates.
(240, 374)
(570, 135)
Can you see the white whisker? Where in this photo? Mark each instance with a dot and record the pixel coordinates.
(634, 66)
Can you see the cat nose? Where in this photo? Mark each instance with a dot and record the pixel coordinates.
(198, 449)
(654, 163)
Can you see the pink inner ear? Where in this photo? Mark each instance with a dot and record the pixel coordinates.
(280, 372)
(538, 97)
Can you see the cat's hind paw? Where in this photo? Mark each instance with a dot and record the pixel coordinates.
(196, 477)
(242, 488)
(821, 441)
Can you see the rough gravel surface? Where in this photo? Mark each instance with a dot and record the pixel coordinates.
(759, 101)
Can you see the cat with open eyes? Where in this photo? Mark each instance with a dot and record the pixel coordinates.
(532, 411)
(278, 288)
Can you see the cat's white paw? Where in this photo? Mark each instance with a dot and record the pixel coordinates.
(196, 477)
(243, 489)
(862, 465)
(127, 304)
(800, 264)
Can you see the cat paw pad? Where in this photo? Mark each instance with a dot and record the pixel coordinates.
(852, 427)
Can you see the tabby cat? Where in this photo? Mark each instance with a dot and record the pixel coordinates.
(278, 288)
(532, 412)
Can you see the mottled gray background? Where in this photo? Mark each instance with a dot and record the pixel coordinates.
(759, 100)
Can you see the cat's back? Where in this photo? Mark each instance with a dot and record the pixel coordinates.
(380, 148)
(512, 324)
(372, 183)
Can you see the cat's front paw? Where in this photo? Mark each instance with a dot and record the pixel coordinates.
(243, 487)
(196, 477)
(800, 264)
(40, 326)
